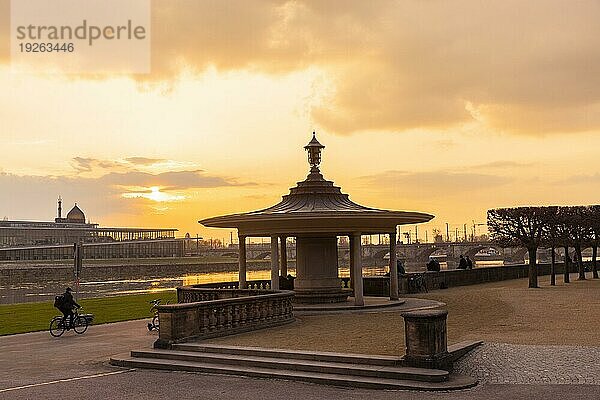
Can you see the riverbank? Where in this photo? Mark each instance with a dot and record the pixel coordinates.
(15, 272)
(32, 317)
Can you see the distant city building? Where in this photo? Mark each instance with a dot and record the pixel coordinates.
(31, 240)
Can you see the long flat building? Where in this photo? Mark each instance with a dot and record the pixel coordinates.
(27, 240)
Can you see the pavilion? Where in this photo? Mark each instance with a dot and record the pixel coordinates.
(316, 212)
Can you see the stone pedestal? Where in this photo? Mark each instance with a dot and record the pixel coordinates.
(426, 339)
(317, 278)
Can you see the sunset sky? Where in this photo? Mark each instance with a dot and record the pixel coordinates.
(444, 107)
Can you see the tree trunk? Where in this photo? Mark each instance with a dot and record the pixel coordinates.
(552, 268)
(533, 281)
(566, 275)
(580, 263)
(594, 263)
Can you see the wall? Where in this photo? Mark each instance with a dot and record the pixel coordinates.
(380, 286)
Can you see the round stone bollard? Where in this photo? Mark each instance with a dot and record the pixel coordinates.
(426, 339)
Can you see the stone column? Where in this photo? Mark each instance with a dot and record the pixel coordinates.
(426, 338)
(357, 268)
(274, 263)
(242, 262)
(351, 244)
(393, 268)
(284, 271)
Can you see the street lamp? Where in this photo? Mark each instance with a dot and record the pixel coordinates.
(314, 153)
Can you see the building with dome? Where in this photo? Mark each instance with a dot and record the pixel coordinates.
(75, 216)
(40, 240)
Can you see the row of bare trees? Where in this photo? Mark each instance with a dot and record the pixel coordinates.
(549, 227)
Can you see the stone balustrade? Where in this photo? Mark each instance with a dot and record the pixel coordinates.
(262, 284)
(196, 293)
(220, 312)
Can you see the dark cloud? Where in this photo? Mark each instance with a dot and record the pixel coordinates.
(521, 67)
(525, 67)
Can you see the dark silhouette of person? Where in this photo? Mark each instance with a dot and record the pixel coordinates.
(469, 263)
(462, 263)
(67, 306)
(400, 266)
(433, 265)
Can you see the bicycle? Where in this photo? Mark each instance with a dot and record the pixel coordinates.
(80, 324)
(155, 324)
(416, 283)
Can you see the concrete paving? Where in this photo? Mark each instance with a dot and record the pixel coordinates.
(36, 365)
(528, 364)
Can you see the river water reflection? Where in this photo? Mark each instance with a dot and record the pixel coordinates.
(44, 291)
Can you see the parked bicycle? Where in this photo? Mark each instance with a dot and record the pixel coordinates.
(155, 324)
(416, 283)
(59, 324)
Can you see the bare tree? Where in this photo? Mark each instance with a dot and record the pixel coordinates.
(564, 237)
(520, 226)
(593, 219)
(579, 231)
(552, 238)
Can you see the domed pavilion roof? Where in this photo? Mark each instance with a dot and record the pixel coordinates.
(76, 215)
(315, 206)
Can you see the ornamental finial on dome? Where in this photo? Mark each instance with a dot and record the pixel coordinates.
(314, 153)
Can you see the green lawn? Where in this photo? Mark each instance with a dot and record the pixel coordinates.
(31, 317)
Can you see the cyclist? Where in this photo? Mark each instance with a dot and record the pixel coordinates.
(67, 305)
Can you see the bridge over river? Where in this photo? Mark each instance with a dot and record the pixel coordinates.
(415, 253)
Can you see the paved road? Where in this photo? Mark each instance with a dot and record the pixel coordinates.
(144, 385)
(38, 366)
(38, 357)
(529, 364)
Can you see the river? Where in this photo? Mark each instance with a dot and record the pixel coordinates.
(25, 292)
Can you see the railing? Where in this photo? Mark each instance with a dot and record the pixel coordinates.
(196, 293)
(262, 284)
(259, 284)
(226, 312)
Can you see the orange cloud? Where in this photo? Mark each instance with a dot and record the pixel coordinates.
(524, 67)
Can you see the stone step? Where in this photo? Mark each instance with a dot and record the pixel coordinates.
(291, 354)
(455, 381)
(328, 367)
